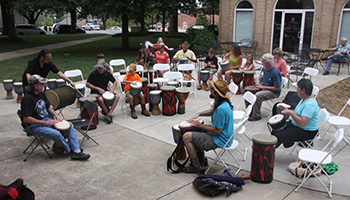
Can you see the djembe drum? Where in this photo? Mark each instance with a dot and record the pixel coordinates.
(61, 97)
(168, 100)
(145, 88)
(63, 127)
(122, 72)
(237, 76)
(51, 83)
(276, 123)
(151, 87)
(60, 82)
(81, 93)
(263, 158)
(185, 126)
(225, 66)
(8, 86)
(181, 94)
(135, 91)
(204, 76)
(87, 114)
(108, 98)
(248, 78)
(252, 88)
(173, 83)
(19, 91)
(154, 99)
(181, 151)
(279, 111)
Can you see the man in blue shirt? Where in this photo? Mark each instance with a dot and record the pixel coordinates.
(341, 54)
(270, 86)
(212, 136)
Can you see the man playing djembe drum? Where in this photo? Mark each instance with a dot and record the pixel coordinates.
(131, 78)
(210, 64)
(213, 136)
(35, 111)
(98, 82)
(270, 86)
(304, 124)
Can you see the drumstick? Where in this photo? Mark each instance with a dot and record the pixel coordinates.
(79, 93)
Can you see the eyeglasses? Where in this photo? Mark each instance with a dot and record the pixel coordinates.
(100, 57)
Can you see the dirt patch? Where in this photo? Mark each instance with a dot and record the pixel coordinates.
(334, 97)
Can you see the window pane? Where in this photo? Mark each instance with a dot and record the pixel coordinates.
(244, 25)
(309, 18)
(347, 5)
(295, 4)
(277, 30)
(345, 26)
(245, 4)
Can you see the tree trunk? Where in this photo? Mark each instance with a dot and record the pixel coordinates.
(173, 23)
(142, 21)
(4, 19)
(163, 22)
(9, 21)
(104, 19)
(73, 20)
(125, 33)
(213, 22)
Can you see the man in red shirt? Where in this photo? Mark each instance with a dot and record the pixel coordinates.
(132, 78)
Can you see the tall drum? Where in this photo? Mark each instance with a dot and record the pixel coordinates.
(154, 99)
(204, 75)
(19, 91)
(60, 82)
(237, 76)
(168, 100)
(60, 97)
(182, 95)
(248, 78)
(263, 158)
(151, 87)
(224, 66)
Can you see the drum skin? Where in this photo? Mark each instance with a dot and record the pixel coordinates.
(61, 97)
(168, 100)
(263, 158)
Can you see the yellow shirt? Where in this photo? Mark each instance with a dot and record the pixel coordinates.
(233, 60)
(180, 54)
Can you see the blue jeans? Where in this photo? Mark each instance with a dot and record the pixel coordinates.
(338, 57)
(53, 134)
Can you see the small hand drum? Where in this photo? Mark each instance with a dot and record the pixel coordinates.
(237, 76)
(154, 98)
(204, 76)
(225, 65)
(185, 126)
(19, 91)
(63, 127)
(135, 90)
(8, 86)
(248, 78)
(277, 123)
(182, 95)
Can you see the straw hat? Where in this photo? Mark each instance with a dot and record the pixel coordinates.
(221, 87)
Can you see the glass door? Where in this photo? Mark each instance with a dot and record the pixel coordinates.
(292, 36)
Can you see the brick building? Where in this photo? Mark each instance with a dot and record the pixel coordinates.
(185, 21)
(293, 25)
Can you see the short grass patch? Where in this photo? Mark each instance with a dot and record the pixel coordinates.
(82, 56)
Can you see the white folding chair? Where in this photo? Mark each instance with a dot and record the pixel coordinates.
(117, 62)
(157, 67)
(173, 76)
(323, 115)
(139, 68)
(233, 89)
(219, 66)
(76, 73)
(243, 131)
(337, 121)
(314, 158)
(250, 98)
(312, 72)
(189, 67)
(228, 148)
(315, 91)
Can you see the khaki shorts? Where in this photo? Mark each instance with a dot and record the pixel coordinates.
(203, 141)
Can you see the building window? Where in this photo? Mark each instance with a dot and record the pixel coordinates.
(244, 21)
(345, 23)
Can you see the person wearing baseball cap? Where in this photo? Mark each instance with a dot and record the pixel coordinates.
(98, 83)
(36, 108)
(133, 78)
(212, 136)
(101, 56)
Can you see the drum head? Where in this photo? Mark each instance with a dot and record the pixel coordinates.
(284, 105)
(152, 85)
(63, 125)
(205, 71)
(182, 90)
(248, 72)
(155, 92)
(7, 81)
(236, 71)
(276, 118)
(53, 98)
(225, 63)
(168, 88)
(108, 95)
(17, 84)
(144, 80)
(138, 85)
(266, 139)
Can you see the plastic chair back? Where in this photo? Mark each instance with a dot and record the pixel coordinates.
(324, 116)
(117, 62)
(233, 88)
(315, 90)
(157, 67)
(185, 67)
(312, 72)
(74, 73)
(250, 97)
(172, 76)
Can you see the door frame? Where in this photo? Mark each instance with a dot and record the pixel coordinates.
(302, 26)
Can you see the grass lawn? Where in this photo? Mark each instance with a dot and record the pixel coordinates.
(82, 56)
(39, 40)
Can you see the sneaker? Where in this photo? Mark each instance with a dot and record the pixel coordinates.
(254, 119)
(325, 73)
(108, 119)
(80, 156)
(199, 87)
(207, 89)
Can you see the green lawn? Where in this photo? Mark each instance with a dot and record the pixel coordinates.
(82, 56)
(39, 40)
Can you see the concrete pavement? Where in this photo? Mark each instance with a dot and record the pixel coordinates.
(130, 160)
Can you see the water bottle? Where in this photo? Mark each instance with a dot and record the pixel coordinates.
(124, 114)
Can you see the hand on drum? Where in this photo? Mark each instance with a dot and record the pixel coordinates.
(134, 83)
(193, 118)
(194, 122)
(101, 91)
(51, 122)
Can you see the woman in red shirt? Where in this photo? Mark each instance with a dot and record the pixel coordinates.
(279, 62)
(162, 57)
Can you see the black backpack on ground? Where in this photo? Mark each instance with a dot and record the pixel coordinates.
(214, 185)
(173, 160)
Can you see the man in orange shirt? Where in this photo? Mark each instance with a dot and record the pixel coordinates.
(132, 78)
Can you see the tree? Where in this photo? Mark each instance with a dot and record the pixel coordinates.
(32, 9)
(210, 7)
(7, 8)
(202, 20)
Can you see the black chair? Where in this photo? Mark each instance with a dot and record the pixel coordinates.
(38, 140)
(82, 124)
(341, 63)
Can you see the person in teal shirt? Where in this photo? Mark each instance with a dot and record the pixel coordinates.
(212, 136)
(304, 123)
